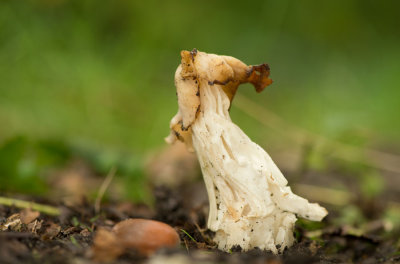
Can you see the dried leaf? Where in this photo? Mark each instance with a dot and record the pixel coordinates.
(27, 216)
(51, 231)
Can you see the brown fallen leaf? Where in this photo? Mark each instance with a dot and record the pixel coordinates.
(51, 231)
(27, 216)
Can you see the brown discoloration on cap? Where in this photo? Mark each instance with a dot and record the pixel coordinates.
(193, 53)
(259, 77)
(220, 82)
(187, 63)
(199, 68)
(188, 92)
(183, 135)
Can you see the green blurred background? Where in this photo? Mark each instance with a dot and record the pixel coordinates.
(94, 79)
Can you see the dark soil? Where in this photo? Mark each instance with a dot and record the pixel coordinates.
(68, 238)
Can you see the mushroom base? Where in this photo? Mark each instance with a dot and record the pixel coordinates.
(273, 233)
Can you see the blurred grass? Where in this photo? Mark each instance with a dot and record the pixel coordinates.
(99, 76)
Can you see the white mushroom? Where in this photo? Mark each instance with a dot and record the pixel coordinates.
(250, 202)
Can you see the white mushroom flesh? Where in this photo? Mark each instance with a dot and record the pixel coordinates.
(250, 203)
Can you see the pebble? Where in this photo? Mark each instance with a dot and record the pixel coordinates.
(145, 236)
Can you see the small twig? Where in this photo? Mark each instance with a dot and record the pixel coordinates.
(46, 209)
(34, 226)
(199, 229)
(103, 188)
(186, 245)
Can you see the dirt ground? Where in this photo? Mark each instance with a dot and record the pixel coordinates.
(28, 237)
